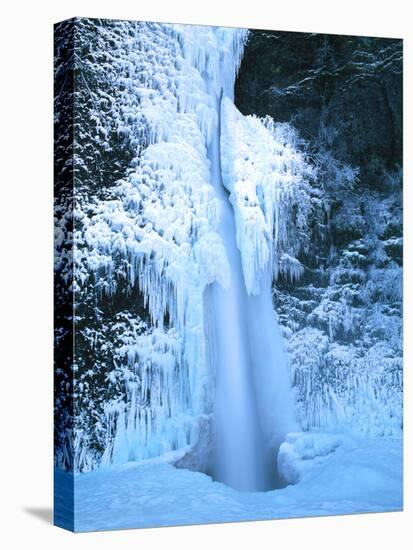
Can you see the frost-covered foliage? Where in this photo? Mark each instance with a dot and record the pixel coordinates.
(343, 319)
(63, 171)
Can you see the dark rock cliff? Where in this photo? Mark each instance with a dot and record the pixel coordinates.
(343, 91)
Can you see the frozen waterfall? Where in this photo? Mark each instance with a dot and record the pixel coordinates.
(201, 225)
(253, 406)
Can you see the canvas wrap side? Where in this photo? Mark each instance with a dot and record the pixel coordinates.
(64, 328)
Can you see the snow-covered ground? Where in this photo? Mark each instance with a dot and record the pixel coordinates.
(337, 475)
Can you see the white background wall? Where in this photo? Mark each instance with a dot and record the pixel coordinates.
(26, 271)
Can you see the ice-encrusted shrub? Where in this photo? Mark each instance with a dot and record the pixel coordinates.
(340, 387)
(359, 315)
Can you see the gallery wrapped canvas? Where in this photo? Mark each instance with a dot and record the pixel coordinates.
(228, 274)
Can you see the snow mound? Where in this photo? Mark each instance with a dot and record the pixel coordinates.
(301, 452)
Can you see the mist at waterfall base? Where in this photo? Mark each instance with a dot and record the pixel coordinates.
(253, 406)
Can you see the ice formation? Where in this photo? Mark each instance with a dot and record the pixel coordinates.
(159, 229)
(267, 175)
(161, 223)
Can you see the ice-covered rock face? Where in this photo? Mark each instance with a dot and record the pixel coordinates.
(155, 230)
(160, 223)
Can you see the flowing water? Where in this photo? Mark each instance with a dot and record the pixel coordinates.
(253, 408)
